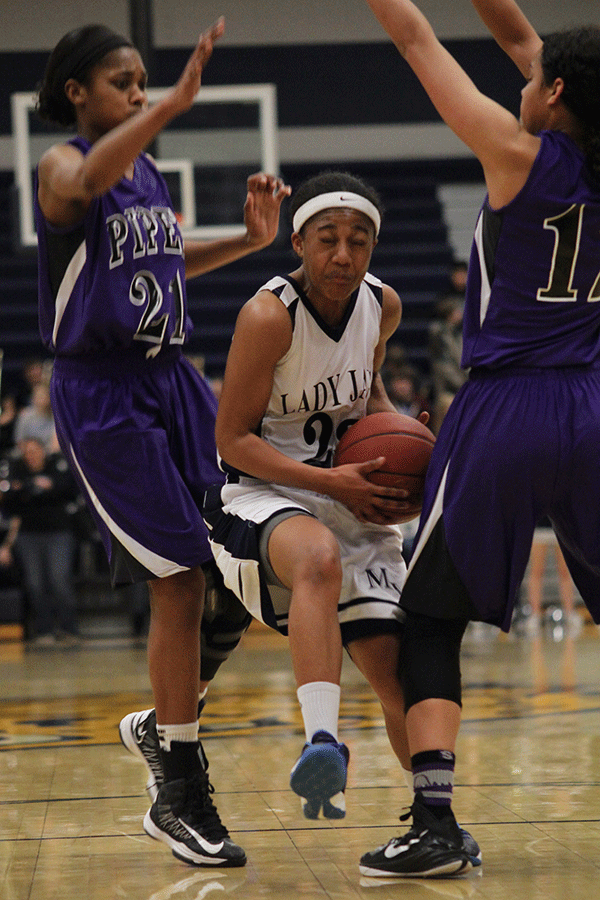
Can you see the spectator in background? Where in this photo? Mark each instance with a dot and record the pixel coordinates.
(10, 577)
(544, 540)
(8, 417)
(37, 496)
(403, 386)
(197, 360)
(395, 358)
(36, 421)
(458, 279)
(216, 382)
(216, 385)
(445, 346)
(32, 373)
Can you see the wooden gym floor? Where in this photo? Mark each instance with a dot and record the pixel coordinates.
(72, 799)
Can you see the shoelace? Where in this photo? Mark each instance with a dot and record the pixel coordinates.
(418, 828)
(411, 834)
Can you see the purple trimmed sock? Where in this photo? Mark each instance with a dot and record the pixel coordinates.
(433, 777)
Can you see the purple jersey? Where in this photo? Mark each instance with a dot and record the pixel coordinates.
(533, 289)
(117, 277)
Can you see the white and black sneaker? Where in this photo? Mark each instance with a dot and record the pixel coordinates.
(184, 817)
(432, 847)
(319, 777)
(138, 734)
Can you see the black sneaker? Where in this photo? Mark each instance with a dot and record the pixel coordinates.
(319, 777)
(139, 736)
(432, 847)
(184, 817)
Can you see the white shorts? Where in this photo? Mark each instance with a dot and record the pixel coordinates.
(373, 568)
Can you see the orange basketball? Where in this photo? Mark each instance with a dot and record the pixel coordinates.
(406, 444)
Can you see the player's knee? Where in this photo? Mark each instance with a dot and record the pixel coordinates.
(322, 564)
(430, 659)
(224, 622)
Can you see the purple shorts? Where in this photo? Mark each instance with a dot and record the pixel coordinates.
(139, 436)
(514, 448)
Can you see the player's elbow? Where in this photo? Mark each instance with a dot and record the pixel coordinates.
(226, 443)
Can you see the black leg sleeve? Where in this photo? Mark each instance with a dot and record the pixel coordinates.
(430, 659)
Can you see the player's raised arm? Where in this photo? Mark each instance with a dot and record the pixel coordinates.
(68, 179)
(504, 149)
(511, 30)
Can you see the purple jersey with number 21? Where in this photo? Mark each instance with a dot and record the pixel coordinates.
(95, 294)
(133, 417)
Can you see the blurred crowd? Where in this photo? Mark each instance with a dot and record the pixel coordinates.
(39, 504)
(432, 386)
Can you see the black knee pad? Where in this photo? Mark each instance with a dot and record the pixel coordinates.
(224, 621)
(430, 659)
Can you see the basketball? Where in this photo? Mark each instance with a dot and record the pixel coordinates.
(406, 444)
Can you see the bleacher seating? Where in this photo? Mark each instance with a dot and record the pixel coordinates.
(413, 256)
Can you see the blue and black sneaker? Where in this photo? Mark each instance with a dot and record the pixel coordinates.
(319, 777)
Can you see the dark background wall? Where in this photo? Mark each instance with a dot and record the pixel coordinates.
(333, 65)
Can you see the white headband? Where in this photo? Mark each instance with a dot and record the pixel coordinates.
(337, 199)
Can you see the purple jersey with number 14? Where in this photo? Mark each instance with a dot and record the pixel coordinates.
(95, 293)
(533, 292)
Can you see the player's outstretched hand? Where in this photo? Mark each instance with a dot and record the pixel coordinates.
(261, 210)
(189, 82)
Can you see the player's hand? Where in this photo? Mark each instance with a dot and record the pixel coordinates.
(188, 85)
(261, 210)
(367, 501)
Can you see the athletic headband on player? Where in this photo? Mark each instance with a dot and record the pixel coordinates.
(337, 199)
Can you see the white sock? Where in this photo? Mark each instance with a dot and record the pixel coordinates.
(187, 733)
(408, 777)
(320, 706)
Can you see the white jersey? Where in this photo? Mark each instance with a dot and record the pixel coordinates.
(322, 384)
